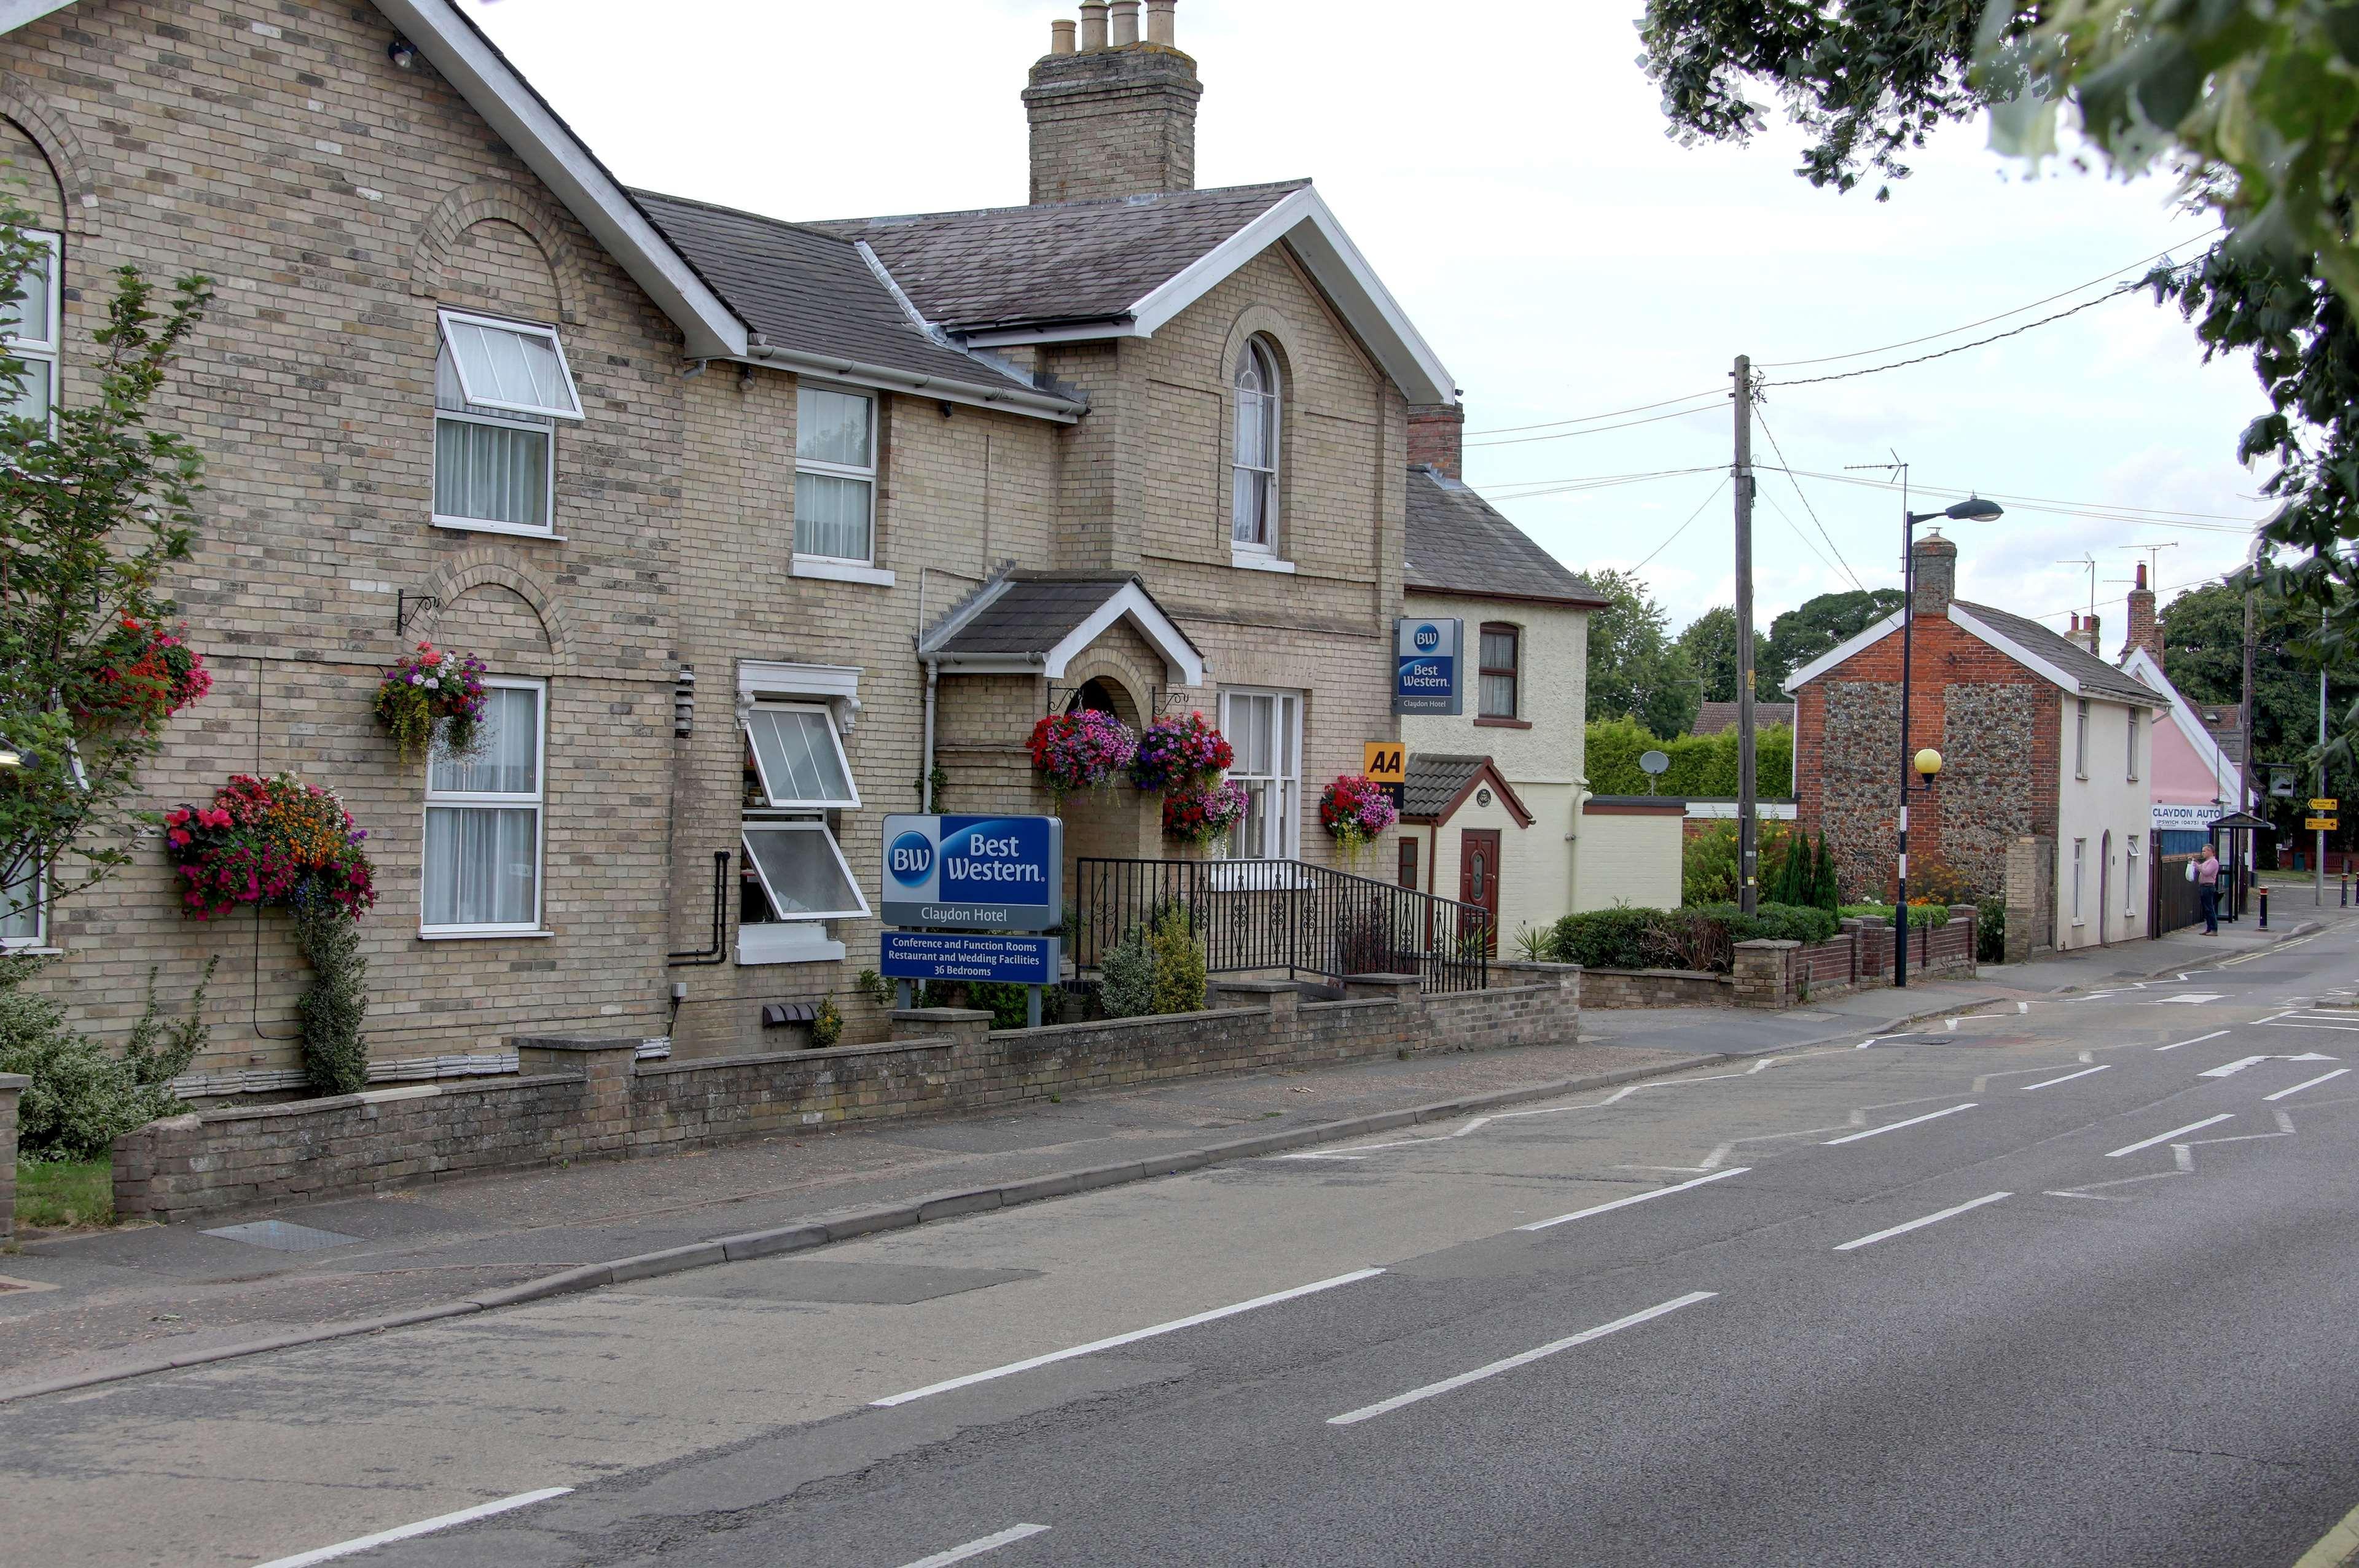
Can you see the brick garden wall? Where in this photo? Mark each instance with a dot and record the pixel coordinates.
(605, 1106)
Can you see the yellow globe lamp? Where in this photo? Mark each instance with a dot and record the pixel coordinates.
(1928, 763)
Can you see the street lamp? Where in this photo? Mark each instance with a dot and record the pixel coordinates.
(1974, 509)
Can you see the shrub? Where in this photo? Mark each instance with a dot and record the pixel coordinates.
(334, 1053)
(83, 1095)
(1701, 765)
(1936, 880)
(1990, 931)
(1919, 915)
(1004, 1000)
(874, 986)
(1126, 977)
(1688, 939)
(827, 1025)
(1708, 865)
(1179, 962)
(1698, 939)
(1604, 938)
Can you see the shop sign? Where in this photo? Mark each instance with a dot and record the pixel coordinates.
(975, 873)
(2172, 816)
(967, 955)
(1428, 668)
(1386, 762)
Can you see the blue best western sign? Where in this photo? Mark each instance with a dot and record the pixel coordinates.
(968, 956)
(1429, 667)
(978, 873)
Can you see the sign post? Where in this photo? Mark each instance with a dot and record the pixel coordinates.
(1429, 666)
(971, 879)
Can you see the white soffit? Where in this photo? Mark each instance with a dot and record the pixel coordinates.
(1304, 222)
(1842, 651)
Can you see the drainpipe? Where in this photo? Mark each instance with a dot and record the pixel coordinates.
(926, 783)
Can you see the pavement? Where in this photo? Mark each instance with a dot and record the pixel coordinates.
(2068, 1281)
(94, 1306)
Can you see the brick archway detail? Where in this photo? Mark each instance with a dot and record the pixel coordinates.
(76, 182)
(479, 569)
(490, 202)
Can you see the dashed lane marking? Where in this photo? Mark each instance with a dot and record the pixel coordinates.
(423, 1527)
(2311, 1084)
(2067, 1078)
(2167, 1137)
(1897, 1126)
(1635, 1198)
(1857, 1242)
(1008, 1537)
(2197, 1041)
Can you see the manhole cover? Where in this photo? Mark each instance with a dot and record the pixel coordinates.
(281, 1236)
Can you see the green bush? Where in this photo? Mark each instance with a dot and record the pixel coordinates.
(1990, 931)
(1179, 962)
(335, 1055)
(1126, 977)
(1604, 940)
(1697, 938)
(827, 1025)
(1701, 765)
(1919, 915)
(83, 1095)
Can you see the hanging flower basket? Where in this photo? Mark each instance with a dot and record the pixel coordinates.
(142, 672)
(431, 687)
(276, 842)
(1081, 751)
(1203, 815)
(1179, 755)
(1355, 810)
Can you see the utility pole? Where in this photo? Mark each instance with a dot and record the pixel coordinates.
(2320, 858)
(2248, 770)
(1748, 849)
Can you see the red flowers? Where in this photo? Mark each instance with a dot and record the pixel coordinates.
(1079, 750)
(274, 841)
(141, 673)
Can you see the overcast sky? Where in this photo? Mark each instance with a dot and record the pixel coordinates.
(1504, 168)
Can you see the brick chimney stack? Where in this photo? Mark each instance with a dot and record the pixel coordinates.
(2083, 632)
(1437, 434)
(1936, 571)
(2146, 631)
(1117, 115)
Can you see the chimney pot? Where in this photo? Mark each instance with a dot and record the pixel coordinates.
(1160, 23)
(2144, 630)
(1061, 38)
(1112, 122)
(1125, 22)
(1093, 24)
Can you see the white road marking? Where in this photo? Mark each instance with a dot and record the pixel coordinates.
(1894, 1126)
(1919, 1224)
(1637, 1197)
(2187, 998)
(2067, 1077)
(2023, 1006)
(423, 1527)
(2167, 1137)
(1450, 1384)
(2287, 1021)
(2229, 1069)
(1134, 1335)
(2197, 1041)
(1008, 1537)
(2313, 1084)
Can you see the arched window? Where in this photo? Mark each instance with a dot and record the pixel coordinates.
(1253, 508)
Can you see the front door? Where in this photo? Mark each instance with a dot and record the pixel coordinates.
(1478, 875)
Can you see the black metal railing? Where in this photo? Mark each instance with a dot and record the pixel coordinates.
(1283, 916)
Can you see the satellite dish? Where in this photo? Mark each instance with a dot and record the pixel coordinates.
(1654, 764)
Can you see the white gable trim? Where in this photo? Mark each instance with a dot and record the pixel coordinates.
(2141, 666)
(1183, 664)
(1304, 222)
(1842, 651)
(14, 14)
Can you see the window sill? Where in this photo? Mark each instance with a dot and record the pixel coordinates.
(481, 526)
(12, 950)
(839, 571)
(1245, 560)
(465, 934)
(1489, 723)
(787, 942)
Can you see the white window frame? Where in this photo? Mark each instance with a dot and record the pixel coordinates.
(851, 802)
(810, 563)
(475, 414)
(2135, 716)
(572, 410)
(1288, 836)
(538, 801)
(36, 940)
(2081, 740)
(40, 357)
(1258, 552)
(753, 825)
(2080, 865)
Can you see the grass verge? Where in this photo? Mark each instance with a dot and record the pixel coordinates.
(55, 1194)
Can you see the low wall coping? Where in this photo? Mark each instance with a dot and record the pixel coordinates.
(1256, 988)
(1774, 944)
(1383, 980)
(1673, 974)
(1533, 967)
(352, 1102)
(574, 1043)
(815, 1053)
(1342, 1002)
(1110, 1025)
(940, 1015)
(13, 1082)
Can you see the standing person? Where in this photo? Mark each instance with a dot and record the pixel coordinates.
(2207, 890)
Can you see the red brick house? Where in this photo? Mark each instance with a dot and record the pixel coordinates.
(2045, 748)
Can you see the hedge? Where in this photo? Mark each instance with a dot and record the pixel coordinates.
(1919, 915)
(1701, 765)
(1699, 938)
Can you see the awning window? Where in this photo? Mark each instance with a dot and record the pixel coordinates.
(800, 758)
(802, 872)
(511, 365)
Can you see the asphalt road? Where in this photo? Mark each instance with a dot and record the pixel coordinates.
(2071, 1285)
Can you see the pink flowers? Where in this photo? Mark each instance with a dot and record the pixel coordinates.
(429, 690)
(277, 841)
(1079, 750)
(1355, 810)
(1178, 754)
(1200, 816)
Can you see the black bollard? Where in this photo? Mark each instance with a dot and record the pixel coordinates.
(2264, 909)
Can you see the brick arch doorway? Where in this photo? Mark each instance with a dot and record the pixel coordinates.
(1100, 694)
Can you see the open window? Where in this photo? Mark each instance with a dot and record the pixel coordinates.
(516, 367)
(799, 759)
(802, 873)
(500, 387)
(796, 878)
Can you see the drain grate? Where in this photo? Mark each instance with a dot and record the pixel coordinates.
(280, 1237)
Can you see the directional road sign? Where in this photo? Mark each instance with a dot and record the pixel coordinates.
(2324, 803)
(2318, 824)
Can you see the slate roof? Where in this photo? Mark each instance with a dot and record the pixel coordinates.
(1071, 261)
(1714, 717)
(1026, 613)
(1458, 543)
(1433, 780)
(810, 291)
(2097, 678)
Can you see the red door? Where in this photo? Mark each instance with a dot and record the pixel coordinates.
(1478, 876)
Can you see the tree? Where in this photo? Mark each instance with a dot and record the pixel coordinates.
(1816, 625)
(1710, 642)
(1636, 671)
(96, 506)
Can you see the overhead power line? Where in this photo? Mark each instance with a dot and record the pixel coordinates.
(1595, 430)
(1806, 502)
(1609, 414)
(2105, 511)
(1683, 527)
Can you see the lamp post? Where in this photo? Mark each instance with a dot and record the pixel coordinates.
(1974, 509)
